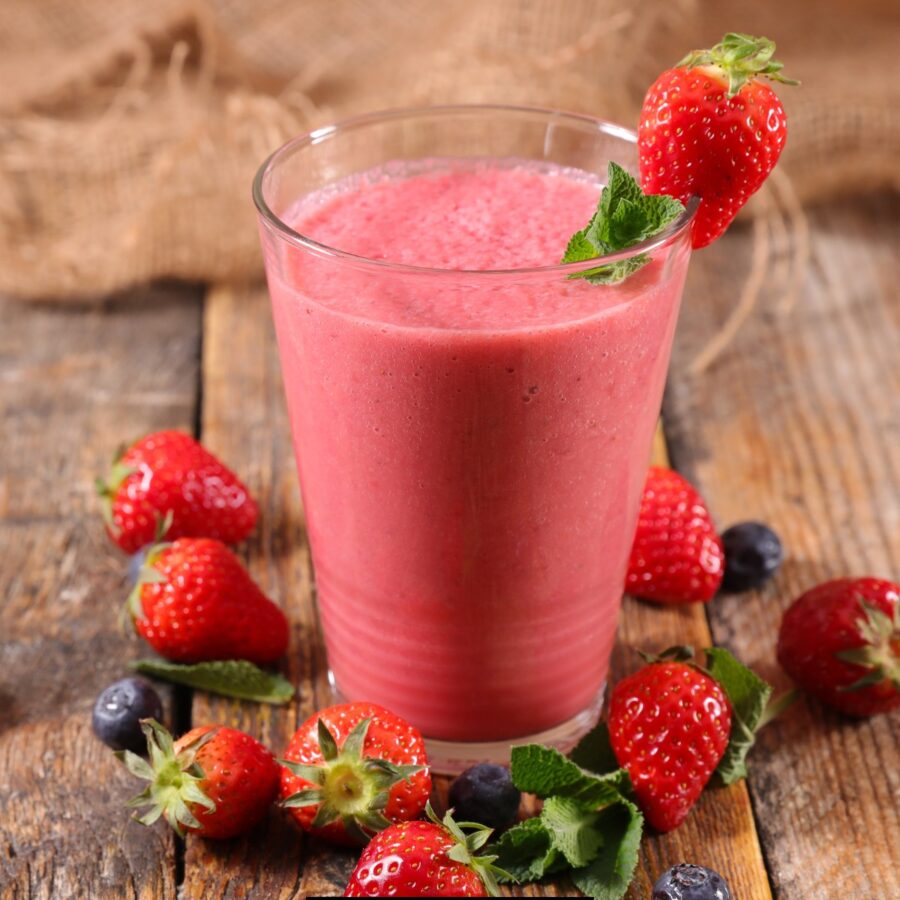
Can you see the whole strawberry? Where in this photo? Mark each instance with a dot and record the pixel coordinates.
(425, 859)
(711, 128)
(351, 770)
(170, 474)
(215, 782)
(840, 642)
(677, 555)
(194, 601)
(669, 725)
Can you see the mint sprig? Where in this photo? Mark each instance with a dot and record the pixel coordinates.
(625, 216)
(588, 826)
(607, 877)
(231, 677)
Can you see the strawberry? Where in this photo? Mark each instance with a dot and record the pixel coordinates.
(351, 770)
(194, 601)
(840, 642)
(426, 859)
(677, 556)
(215, 782)
(711, 128)
(170, 474)
(669, 725)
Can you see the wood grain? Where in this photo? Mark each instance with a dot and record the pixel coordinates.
(799, 425)
(74, 383)
(244, 420)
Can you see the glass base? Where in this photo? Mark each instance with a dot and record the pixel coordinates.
(453, 757)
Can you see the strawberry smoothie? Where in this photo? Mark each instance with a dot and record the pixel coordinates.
(471, 446)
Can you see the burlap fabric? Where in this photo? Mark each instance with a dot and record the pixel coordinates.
(130, 130)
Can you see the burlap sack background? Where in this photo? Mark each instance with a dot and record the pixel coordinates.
(130, 130)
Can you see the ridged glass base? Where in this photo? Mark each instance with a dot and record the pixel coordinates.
(452, 757)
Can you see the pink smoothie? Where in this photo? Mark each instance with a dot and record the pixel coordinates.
(471, 447)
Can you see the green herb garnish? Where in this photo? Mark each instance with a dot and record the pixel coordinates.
(231, 677)
(625, 216)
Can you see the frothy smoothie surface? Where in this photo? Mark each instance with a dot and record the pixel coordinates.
(482, 218)
(453, 216)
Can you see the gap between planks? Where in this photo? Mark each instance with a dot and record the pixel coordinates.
(243, 418)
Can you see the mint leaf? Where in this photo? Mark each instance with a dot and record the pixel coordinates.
(580, 248)
(749, 696)
(594, 751)
(526, 851)
(660, 210)
(546, 772)
(625, 216)
(608, 876)
(572, 830)
(231, 677)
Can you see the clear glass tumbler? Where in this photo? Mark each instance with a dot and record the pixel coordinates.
(471, 492)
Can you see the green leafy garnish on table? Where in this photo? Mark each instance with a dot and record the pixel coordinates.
(588, 826)
(751, 709)
(625, 216)
(231, 677)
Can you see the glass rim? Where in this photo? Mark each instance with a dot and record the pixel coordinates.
(327, 132)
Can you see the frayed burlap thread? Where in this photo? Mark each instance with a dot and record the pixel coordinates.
(130, 132)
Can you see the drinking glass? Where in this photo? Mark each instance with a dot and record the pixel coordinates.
(471, 491)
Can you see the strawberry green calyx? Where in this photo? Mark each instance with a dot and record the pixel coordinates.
(174, 778)
(880, 654)
(107, 489)
(741, 57)
(348, 786)
(468, 845)
(148, 574)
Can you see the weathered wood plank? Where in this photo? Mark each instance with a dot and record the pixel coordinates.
(798, 424)
(244, 419)
(74, 383)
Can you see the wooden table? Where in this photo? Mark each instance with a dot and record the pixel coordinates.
(798, 424)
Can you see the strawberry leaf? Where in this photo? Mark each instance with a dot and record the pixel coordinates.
(231, 677)
(749, 696)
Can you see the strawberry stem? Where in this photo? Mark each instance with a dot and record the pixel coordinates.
(741, 57)
(174, 779)
(347, 785)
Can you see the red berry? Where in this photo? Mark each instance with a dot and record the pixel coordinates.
(351, 770)
(194, 601)
(710, 128)
(413, 859)
(170, 474)
(840, 642)
(669, 725)
(215, 782)
(677, 556)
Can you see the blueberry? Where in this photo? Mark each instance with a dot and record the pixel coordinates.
(689, 882)
(135, 563)
(752, 556)
(485, 793)
(119, 709)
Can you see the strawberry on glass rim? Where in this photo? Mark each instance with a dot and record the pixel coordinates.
(711, 127)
